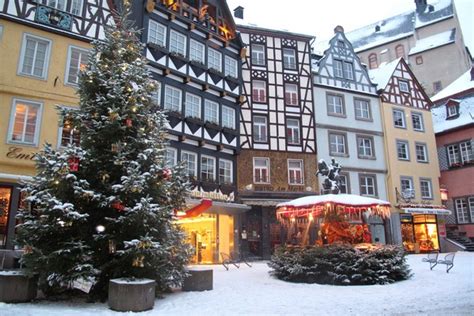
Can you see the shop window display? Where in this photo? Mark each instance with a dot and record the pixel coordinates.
(419, 233)
(5, 196)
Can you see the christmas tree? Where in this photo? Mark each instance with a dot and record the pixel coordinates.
(104, 209)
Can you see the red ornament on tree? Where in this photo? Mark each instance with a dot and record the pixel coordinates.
(128, 122)
(118, 206)
(73, 164)
(166, 174)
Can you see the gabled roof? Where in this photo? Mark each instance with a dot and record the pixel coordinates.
(433, 41)
(399, 26)
(382, 75)
(465, 117)
(463, 83)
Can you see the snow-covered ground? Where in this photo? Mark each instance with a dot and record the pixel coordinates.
(252, 291)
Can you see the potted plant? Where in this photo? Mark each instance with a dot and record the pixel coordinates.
(209, 185)
(227, 188)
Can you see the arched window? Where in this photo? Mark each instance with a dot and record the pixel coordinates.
(400, 51)
(373, 61)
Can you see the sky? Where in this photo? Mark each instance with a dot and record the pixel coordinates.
(319, 17)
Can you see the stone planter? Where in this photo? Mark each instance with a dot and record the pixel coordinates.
(17, 287)
(199, 279)
(131, 295)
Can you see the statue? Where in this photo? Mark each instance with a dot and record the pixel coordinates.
(330, 173)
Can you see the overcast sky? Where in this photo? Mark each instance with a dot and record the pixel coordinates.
(319, 17)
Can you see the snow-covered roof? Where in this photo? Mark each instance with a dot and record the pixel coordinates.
(399, 26)
(249, 24)
(463, 83)
(382, 75)
(466, 115)
(433, 41)
(340, 199)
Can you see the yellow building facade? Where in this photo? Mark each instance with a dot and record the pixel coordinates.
(412, 160)
(42, 48)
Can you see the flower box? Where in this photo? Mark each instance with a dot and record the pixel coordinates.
(178, 59)
(157, 51)
(212, 128)
(215, 75)
(194, 123)
(131, 295)
(230, 134)
(174, 117)
(17, 286)
(198, 67)
(232, 82)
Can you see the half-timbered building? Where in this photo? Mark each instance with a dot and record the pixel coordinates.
(43, 45)
(418, 218)
(194, 53)
(278, 150)
(349, 124)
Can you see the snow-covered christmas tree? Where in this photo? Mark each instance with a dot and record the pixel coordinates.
(104, 209)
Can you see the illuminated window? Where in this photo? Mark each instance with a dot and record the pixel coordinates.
(208, 168)
(295, 171)
(214, 59)
(177, 43)
(76, 60)
(261, 170)
(24, 122)
(228, 117)
(402, 150)
(196, 51)
(211, 111)
(192, 106)
(373, 63)
(291, 94)
(293, 131)
(258, 54)
(68, 135)
(172, 99)
(259, 91)
(260, 129)
(225, 171)
(289, 58)
(34, 56)
(156, 33)
(190, 165)
(400, 51)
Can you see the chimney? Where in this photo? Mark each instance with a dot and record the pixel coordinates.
(239, 12)
(472, 73)
(420, 6)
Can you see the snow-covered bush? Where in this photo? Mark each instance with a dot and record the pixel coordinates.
(340, 264)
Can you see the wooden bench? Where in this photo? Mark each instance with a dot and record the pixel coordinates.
(448, 261)
(432, 259)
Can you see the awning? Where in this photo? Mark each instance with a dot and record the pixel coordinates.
(419, 210)
(198, 209)
(212, 206)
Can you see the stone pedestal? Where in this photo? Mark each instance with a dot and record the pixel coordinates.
(131, 295)
(199, 279)
(17, 287)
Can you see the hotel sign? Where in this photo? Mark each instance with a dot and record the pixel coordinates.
(215, 196)
(17, 153)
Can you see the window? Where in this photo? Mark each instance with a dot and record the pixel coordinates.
(365, 147)
(337, 144)
(398, 118)
(24, 122)
(258, 54)
(460, 153)
(419, 60)
(68, 135)
(437, 86)
(192, 106)
(335, 105)
(453, 155)
(295, 172)
(367, 185)
(293, 131)
(425, 189)
(190, 165)
(421, 152)
(452, 110)
(170, 157)
(230, 66)
(400, 51)
(373, 63)
(260, 129)
(196, 51)
(403, 85)
(471, 208)
(225, 171)
(259, 91)
(261, 170)
(77, 59)
(208, 168)
(172, 99)
(211, 111)
(289, 58)
(402, 150)
(156, 33)
(75, 8)
(406, 185)
(177, 43)
(228, 117)
(34, 56)
(338, 72)
(156, 94)
(467, 154)
(417, 121)
(362, 109)
(344, 183)
(214, 59)
(291, 94)
(462, 211)
(348, 70)
(1, 32)
(340, 44)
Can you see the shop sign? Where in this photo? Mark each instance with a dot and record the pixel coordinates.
(441, 230)
(17, 153)
(216, 196)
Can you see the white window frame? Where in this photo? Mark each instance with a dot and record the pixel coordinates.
(289, 58)
(155, 96)
(258, 54)
(395, 113)
(336, 144)
(334, 106)
(39, 106)
(228, 167)
(76, 7)
(159, 33)
(364, 150)
(429, 187)
(291, 94)
(348, 70)
(407, 150)
(214, 59)
(212, 176)
(228, 117)
(61, 131)
(470, 203)
(421, 127)
(466, 151)
(192, 105)
(83, 54)
(259, 169)
(364, 184)
(462, 214)
(47, 56)
(292, 172)
(452, 110)
(171, 95)
(258, 127)
(230, 67)
(406, 180)
(362, 110)
(197, 51)
(293, 133)
(344, 182)
(177, 42)
(172, 153)
(453, 154)
(211, 111)
(189, 162)
(425, 152)
(404, 86)
(259, 91)
(338, 68)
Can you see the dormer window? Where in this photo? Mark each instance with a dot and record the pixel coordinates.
(452, 110)
(340, 44)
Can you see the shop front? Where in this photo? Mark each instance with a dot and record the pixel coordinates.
(9, 203)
